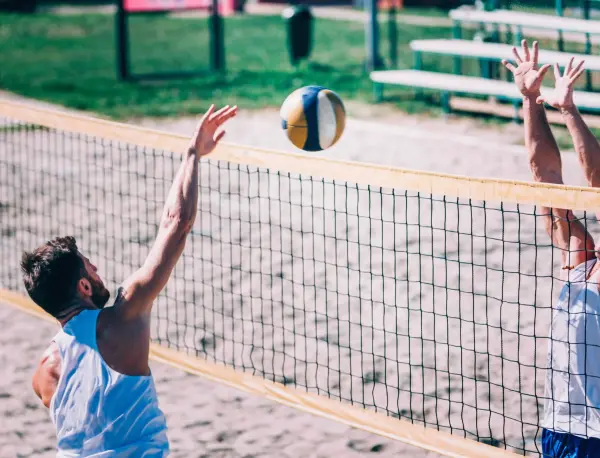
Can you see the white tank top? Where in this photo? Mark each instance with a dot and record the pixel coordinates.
(97, 411)
(573, 378)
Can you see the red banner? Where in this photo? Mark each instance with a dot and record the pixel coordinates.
(164, 5)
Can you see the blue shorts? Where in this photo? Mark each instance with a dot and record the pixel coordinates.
(564, 445)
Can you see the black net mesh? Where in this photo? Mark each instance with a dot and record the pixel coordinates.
(429, 308)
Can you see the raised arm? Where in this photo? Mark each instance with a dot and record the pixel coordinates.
(142, 288)
(566, 232)
(586, 144)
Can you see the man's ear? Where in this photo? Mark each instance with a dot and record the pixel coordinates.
(84, 288)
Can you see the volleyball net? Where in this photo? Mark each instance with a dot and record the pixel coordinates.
(396, 299)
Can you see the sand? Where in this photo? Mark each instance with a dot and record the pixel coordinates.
(316, 305)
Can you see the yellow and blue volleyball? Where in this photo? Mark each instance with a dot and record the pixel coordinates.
(313, 118)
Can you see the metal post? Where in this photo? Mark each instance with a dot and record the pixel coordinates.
(518, 36)
(509, 38)
(445, 101)
(217, 47)
(457, 35)
(491, 5)
(122, 38)
(417, 60)
(586, 6)
(418, 65)
(378, 92)
(560, 12)
(588, 43)
(372, 37)
(516, 110)
(393, 36)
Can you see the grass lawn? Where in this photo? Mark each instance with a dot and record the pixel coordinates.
(71, 60)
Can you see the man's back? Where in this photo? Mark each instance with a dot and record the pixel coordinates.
(97, 411)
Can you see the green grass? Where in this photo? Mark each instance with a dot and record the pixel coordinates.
(424, 12)
(71, 60)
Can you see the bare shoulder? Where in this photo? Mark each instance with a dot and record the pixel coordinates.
(124, 342)
(47, 374)
(51, 358)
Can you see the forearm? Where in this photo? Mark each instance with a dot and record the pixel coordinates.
(177, 220)
(182, 202)
(585, 143)
(544, 154)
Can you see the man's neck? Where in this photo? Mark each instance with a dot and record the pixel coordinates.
(72, 311)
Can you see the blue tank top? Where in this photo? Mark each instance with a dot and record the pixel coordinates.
(97, 411)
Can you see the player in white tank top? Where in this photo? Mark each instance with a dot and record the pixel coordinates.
(571, 418)
(573, 377)
(94, 377)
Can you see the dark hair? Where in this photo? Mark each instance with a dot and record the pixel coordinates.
(51, 273)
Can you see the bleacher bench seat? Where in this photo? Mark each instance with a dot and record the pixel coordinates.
(449, 84)
(529, 20)
(497, 52)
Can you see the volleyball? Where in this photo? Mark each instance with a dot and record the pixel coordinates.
(313, 118)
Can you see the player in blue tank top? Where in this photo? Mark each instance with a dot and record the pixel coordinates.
(571, 418)
(95, 377)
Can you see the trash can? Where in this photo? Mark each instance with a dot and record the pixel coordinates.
(299, 21)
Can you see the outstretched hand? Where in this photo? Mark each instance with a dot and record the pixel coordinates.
(209, 131)
(528, 76)
(562, 97)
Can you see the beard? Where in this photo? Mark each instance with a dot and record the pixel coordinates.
(100, 294)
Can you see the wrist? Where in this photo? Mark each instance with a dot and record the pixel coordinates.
(530, 101)
(531, 97)
(568, 109)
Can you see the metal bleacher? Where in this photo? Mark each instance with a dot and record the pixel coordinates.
(450, 84)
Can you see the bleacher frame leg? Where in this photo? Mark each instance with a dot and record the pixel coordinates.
(588, 75)
(518, 36)
(516, 108)
(378, 92)
(418, 65)
(445, 101)
(457, 35)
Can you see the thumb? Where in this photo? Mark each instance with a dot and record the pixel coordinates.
(540, 100)
(542, 71)
(219, 136)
